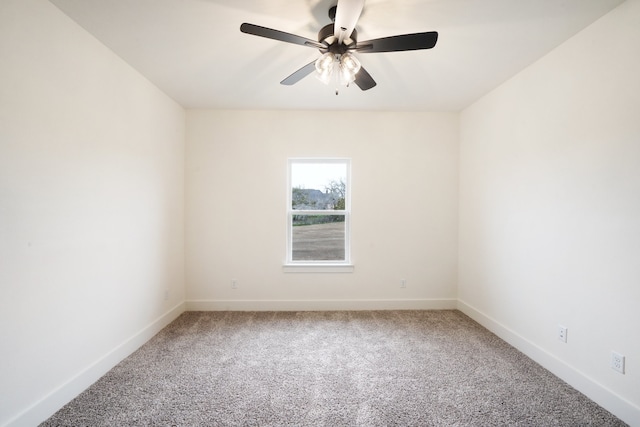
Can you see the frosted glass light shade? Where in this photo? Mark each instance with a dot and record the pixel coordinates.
(324, 67)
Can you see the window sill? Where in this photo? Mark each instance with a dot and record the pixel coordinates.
(318, 268)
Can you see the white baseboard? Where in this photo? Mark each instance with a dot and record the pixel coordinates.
(621, 408)
(52, 402)
(321, 305)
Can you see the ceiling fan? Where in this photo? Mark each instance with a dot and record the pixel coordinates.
(338, 41)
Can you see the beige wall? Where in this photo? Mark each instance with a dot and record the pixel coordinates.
(550, 209)
(91, 209)
(404, 208)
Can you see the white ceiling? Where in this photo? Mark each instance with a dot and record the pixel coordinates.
(194, 51)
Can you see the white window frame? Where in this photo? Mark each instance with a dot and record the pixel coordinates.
(324, 266)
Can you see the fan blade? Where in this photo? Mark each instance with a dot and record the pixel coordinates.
(269, 33)
(399, 43)
(300, 74)
(364, 80)
(347, 15)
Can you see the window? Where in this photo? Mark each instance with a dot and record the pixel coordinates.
(318, 212)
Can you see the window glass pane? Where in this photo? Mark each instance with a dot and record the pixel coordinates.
(318, 186)
(318, 238)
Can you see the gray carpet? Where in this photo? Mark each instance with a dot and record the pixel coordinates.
(349, 368)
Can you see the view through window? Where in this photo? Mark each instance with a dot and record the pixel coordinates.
(319, 210)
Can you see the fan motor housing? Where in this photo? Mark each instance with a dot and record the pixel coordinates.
(326, 35)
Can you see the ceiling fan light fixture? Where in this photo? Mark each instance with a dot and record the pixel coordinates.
(324, 64)
(346, 76)
(349, 67)
(350, 63)
(345, 64)
(324, 67)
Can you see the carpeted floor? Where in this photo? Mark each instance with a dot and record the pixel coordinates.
(349, 368)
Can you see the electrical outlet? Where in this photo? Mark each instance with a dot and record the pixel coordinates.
(403, 283)
(562, 333)
(234, 284)
(617, 362)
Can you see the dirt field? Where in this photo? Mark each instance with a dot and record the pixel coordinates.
(322, 242)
